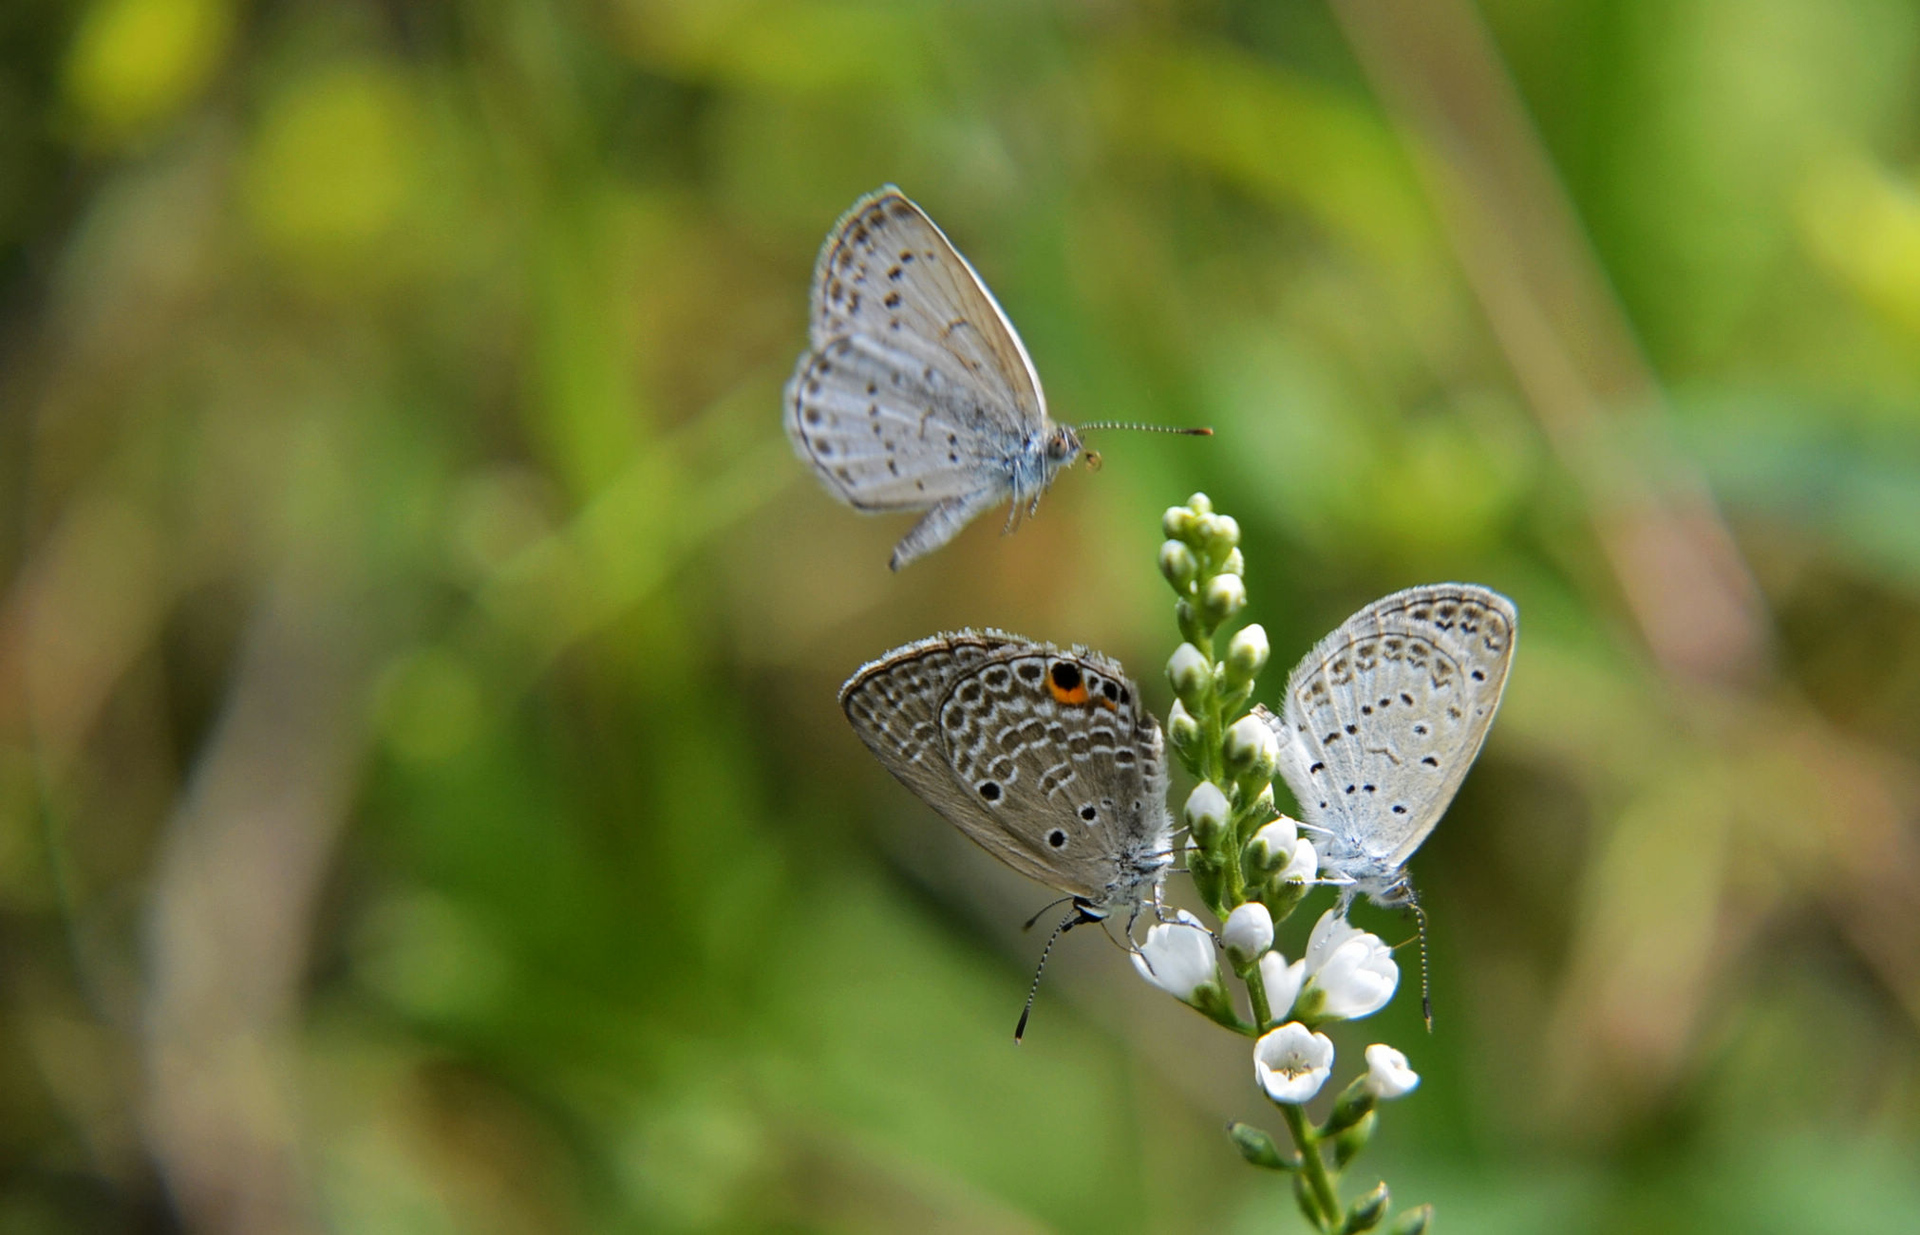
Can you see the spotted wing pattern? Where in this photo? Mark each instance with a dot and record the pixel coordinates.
(1384, 717)
(1045, 758)
(916, 394)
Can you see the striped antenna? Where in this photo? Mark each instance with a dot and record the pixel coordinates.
(1067, 923)
(1116, 424)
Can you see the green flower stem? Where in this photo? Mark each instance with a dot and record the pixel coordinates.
(1312, 1167)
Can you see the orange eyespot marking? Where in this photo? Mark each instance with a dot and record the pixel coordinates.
(1108, 704)
(1066, 684)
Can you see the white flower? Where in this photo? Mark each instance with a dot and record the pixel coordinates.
(1248, 931)
(1388, 1075)
(1292, 1062)
(1177, 957)
(1282, 982)
(1350, 972)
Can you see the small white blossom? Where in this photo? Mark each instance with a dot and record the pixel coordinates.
(1177, 957)
(1248, 931)
(1292, 1062)
(1388, 1075)
(1350, 971)
(1282, 982)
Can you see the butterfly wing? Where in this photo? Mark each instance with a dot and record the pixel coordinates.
(887, 273)
(1046, 759)
(1386, 714)
(916, 392)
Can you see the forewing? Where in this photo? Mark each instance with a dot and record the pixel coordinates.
(1056, 752)
(888, 274)
(1386, 714)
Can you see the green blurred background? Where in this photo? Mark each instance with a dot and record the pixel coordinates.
(423, 805)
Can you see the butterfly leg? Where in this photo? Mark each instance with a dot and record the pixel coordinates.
(942, 523)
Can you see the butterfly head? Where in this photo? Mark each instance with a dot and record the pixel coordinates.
(1063, 446)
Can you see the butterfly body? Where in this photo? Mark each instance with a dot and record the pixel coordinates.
(1382, 720)
(1045, 758)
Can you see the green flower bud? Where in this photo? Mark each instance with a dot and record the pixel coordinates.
(1353, 1105)
(1222, 598)
(1413, 1222)
(1258, 1148)
(1206, 814)
(1282, 896)
(1190, 676)
(1366, 1212)
(1271, 848)
(1260, 812)
(1207, 872)
(1246, 655)
(1251, 751)
(1179, 565)
(1182, 729)
(1200, 504)
(1234, 565)
(1177, 523)
(1347, 1146)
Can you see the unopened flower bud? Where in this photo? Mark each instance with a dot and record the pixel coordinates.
(1271, 847)
(1247, 932)
(1413, 1222)
(1257, 1147)
(1234, 565)
(1179, 565)
(1223, 537)
(1367, 1212)
(1182, 729)
(1177, 523)
(1190, 675)
(1222, 598)
(1200, 504)
(1250, 750)
(1206, 813)
(1246, 655)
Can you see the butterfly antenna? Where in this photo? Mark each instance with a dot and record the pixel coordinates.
(1121, 424)
(1066, 924)
(1043, 912)
(1426, 987)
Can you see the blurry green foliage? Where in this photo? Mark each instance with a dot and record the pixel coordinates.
(422, 801)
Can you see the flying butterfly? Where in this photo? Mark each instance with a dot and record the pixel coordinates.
(915, 393)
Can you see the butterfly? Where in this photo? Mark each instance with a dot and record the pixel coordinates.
(915, 393)
(1383, 718)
